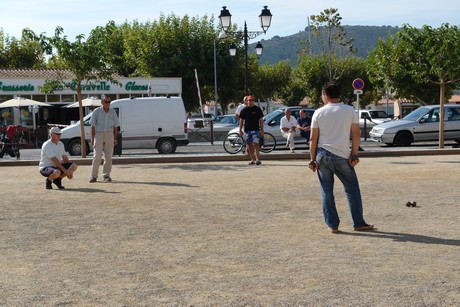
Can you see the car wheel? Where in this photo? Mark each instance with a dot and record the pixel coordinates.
(403, 139)
(166, 146)
(74, 147)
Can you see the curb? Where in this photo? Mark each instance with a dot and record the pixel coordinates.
(238, 157)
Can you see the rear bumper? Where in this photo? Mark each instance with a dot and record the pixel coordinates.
(182, 142)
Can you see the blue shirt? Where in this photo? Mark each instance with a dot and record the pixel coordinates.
(104, 121)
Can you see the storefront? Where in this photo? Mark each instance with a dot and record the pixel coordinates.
(26, 83)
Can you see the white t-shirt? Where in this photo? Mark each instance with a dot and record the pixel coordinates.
(285, 123)
(240, 107)
(334, 122)
(49, 150)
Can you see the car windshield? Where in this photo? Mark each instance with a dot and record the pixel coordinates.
(226, 119)
(272, 115)
(416, 114)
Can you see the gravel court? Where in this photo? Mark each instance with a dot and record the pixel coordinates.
(231, 234)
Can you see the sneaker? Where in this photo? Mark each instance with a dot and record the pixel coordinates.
(107, 179)
(48, 184)
(258, 162)
(92, 179)
(292, 151)
(364, 228)
(58, 183)
(251, 163)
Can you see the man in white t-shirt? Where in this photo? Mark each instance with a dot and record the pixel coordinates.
(331, 155)
(241, 107)
(288, 126)
(54, 163)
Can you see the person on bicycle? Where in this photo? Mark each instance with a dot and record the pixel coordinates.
(251, 119)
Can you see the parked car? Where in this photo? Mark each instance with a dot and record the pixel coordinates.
(370, 118)
(222, 123)
(225, 122)
(421, 124)
(272, 124)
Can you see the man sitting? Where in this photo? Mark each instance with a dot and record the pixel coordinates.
(288, 125)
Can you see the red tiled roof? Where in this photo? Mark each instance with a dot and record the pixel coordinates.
(36, 73)
(39, 73)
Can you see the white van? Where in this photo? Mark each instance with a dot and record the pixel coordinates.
(149, 122)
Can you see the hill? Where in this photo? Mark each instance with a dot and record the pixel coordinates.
(286, 48)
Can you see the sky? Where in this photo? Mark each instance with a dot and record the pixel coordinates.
(289, 16)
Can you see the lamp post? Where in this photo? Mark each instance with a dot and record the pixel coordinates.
(265, 18)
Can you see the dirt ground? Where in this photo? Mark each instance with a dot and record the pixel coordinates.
(229, 234)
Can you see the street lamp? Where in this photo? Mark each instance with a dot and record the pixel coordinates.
(265, 18)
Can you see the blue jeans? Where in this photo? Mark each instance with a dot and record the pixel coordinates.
(328, 166)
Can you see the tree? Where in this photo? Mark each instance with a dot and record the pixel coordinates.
(328, 30)
(173, 47)
(269, 79)
(388, 67)
(312, 72)
(436, 54)
(88, 60)
(23, 53)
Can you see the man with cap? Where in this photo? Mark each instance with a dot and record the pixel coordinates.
(54, 163)
(251, 119)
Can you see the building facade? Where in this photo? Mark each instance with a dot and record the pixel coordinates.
(28, 83)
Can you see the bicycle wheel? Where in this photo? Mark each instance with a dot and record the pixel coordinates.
(233, 143)
(267, 143)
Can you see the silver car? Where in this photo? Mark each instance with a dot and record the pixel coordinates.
(272, 124)
(420, 125)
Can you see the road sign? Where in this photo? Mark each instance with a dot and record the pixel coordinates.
(358, 92)
(358, 84)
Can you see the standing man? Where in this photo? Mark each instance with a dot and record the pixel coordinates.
(287, 125)
(251, 118)
(104, 132)
(304, 125)
(54, 163)
(330, 153)
(241, 107)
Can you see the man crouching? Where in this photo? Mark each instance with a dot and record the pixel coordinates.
(54, 163)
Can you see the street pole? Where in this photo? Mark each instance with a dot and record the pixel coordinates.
(225, 23)
(245, 34)
(215, 79)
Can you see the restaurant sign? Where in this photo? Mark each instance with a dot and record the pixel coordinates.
(125, 86)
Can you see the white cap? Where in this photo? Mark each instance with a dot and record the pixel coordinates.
(55, 130)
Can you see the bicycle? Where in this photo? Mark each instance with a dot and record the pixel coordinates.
(234, 143)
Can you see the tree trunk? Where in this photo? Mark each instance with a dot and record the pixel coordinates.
(441, 109)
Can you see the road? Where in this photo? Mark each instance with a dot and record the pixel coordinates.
(196, 152)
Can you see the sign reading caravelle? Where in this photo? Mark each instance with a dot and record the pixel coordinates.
(158, 85)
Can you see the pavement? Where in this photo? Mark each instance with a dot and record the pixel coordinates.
(231, 234)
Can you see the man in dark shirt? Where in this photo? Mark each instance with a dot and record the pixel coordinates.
(251, 118)
(303, 124)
